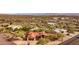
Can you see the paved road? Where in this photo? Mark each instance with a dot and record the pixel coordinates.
(3, 40)
(72, 41)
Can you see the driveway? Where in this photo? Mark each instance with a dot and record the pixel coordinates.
(72, 41)
(3, 40)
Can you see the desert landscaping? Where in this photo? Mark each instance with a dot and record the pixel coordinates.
(37, 30)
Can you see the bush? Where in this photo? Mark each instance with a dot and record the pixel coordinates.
(20, 33)
(60, 35)
(40, 30)
(53, 37)
(1, 29)
(71, 30)
(42, 41)
(25, 28)
(8, 29)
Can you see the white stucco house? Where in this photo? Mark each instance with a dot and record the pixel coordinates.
(50, 23)
(36, 28)
(64, 31)
(15, 27)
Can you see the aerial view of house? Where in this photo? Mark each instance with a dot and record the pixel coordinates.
(39, 29)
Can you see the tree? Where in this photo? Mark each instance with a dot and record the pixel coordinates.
(53, 37)
(42, 41)
(70, 29)
(60, 36)
(26, 28)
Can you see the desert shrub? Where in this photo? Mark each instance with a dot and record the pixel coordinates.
(53, 37)
(60, 35)
(25, 28)
(38, 30)
(20, 33)
(8, 29)
(48, 30)
(42, 41)
(71, 29)
(1, 29)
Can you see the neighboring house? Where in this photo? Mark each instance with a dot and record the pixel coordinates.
(50, 23)
(60, 31)
(36, 28)
(55, 18)
(62, 18)
(52, 20)
(15, 27)
(4, 24)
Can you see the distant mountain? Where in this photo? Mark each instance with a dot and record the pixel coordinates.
(49, 14)
(45, 14)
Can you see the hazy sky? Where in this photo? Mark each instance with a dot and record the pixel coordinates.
(24, 6)
(13, 6)
(36, 6)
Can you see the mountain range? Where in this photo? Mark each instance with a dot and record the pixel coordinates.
(49, 14)
(45, 14)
